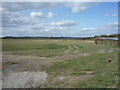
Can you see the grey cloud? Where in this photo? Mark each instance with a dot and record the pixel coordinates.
(19, 6)
(61, 31)
(107, 28)
(113, 24)
(11, 11)
(38, 28)
(15, 22)
(75, 6)
(114, 14)
(37, 15)
(8, 15)
(13, 19)
(56, 26)
(65, 23)
(82, 6)
(50, 15)
(6, 19)
(41, 15)
(49, 28)
(88, 29)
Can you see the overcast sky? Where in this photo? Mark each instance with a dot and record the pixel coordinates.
(59, 18)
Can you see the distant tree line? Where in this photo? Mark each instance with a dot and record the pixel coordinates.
(77, 38)
(113, 36)
(27, 37)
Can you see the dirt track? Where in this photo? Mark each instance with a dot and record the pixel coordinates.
(27, 70)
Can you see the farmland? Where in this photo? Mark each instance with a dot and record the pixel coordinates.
(66, 63)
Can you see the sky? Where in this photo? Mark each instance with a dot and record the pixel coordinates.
(56, 19)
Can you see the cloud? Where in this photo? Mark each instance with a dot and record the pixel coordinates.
(74, 6)
(111, 25)
(1, 9)
(66, 23)
(36, 14)
(79, 7)
(109, 28)
(106, 28)
(58, 26)
(67, 15)
(56, 29)
(46, 29)
(22, 21)
(8, 15)
(65, 28)
(9, 18)
(88, 29)
(11, 12)
(20, 6)
(114, 14)
(13, 20)
(50, 15)
(38, 28)
(41, 15)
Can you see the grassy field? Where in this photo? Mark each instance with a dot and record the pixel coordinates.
(68, 63)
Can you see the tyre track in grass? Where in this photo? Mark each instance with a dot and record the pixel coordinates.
(29, 64)
(68, 50)
(71, 49)
(26, 66)
(76, 49)
(49, 60)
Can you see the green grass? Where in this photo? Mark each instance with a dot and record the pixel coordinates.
(79, 46)
(14, 45)
(33, 47)
(105, 73)
(39, 44)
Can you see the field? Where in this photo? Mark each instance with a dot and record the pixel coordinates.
(59, 64)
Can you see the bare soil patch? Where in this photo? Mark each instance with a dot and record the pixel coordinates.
(24, 79)
(67, 81)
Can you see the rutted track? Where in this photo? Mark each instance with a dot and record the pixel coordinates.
(28, 66)
(72, 49)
